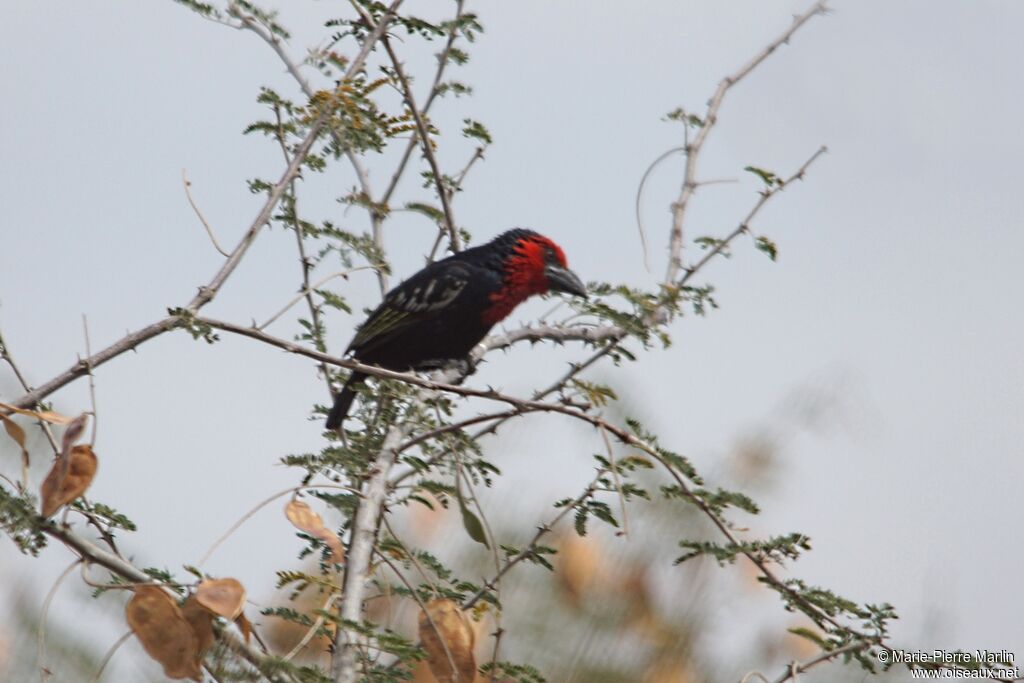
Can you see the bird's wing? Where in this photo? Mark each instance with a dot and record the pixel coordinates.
(421, 297)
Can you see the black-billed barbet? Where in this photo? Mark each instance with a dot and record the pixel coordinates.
(439, 314)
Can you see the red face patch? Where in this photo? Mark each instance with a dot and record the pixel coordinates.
(524, 275)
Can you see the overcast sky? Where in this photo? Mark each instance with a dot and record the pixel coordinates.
(896, 295)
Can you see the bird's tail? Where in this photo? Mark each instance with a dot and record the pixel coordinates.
(343, 401)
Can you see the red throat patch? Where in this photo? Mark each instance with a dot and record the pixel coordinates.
(524, 277)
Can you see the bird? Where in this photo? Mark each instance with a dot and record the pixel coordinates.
(435, 317)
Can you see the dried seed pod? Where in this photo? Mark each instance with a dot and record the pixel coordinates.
(67, 479)
(223, 597)
(448, 638)
(201, 622)
(164, 632)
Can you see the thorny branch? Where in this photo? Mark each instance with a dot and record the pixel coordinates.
(89, 552)
(693, 149)
(377, 487)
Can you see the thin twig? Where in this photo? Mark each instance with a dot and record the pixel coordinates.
(435, 89)
(309, 289)
(304, 641)
(423, 607)
(199, 214)
(109, 655)
(41, 630)
(409, 554)
(259, 506)
(5, 353)
(615, 477)
(427, 146)
(639, 195)
(92, 382)
(531, 547)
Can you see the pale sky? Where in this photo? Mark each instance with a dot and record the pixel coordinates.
(896, 293)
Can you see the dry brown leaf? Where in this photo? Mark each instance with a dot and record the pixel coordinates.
(164, 632)
(45, 415)
(245, 626)
(223, 597)
(15, 431)
(58, 490)
(201, 623)
(306, 520)
(448, 638)
(73, 432)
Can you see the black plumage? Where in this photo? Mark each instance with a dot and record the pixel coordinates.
(440, 313)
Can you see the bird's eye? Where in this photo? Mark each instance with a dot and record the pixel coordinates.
(550, 256)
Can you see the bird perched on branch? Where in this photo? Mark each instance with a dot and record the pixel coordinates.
(439, 314)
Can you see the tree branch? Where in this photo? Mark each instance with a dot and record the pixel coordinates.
(209, 291)
(693, 149)
(428, 149)
(90, 552)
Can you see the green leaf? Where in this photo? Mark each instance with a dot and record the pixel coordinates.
(475, 129)
(769, 178)
(472, 523)
(809, 635)
(767, 246)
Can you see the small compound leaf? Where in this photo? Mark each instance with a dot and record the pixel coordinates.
(767, 177)
(448, 638)
(306, 520)
(223, 597)
(201, 623)
(165, 634)
(767, 246)
(60, 488)
(472, 523)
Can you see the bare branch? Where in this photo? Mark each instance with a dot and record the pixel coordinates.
(693, 149)
(435, 89)
(800, 667)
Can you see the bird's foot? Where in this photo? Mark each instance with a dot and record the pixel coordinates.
(457, 369)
